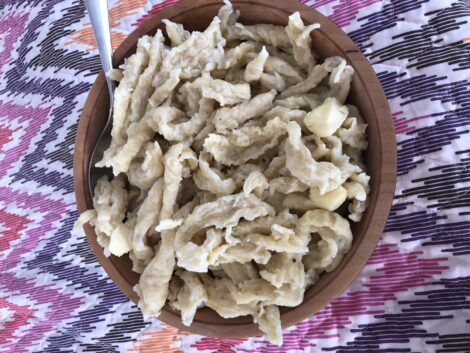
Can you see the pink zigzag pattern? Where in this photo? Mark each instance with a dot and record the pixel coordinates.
(14, 25)
(13, 226)
(345, 11)
(18, 317)
(35, 305)
(5, 136)
(52, 210)
(32, 118)
(64, 304)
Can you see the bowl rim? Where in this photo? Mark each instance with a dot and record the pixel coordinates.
(347, 270)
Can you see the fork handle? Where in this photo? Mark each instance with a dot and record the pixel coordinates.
(98, 11)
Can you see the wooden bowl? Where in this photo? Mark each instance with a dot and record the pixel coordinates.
(366, 93)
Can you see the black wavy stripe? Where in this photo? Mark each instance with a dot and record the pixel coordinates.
(418, 46)
(53, 55)
(393, 332)
(118, 333)
(421, 87)
(452, 343)
(64, 150)
(432, 138)
(417, 224)
(454, 238)
(460, 340)
(441, 186)
(387, 17)
(411, 152)
(456, 53)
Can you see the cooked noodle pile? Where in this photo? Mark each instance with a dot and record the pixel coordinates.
(231, 150)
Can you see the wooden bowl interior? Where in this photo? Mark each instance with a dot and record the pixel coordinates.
(366, 94)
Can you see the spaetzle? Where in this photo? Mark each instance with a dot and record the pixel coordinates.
(232, 149)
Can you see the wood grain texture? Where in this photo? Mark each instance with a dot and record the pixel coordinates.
(380, 157)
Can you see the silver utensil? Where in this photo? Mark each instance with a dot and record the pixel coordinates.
(98, 11)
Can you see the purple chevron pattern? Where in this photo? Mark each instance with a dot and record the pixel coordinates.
(412, 296)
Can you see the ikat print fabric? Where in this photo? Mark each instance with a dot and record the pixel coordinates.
(412, 296)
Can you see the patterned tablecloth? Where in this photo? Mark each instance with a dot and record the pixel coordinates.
(414, 293)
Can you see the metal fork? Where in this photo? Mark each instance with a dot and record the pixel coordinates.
(98, 11)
